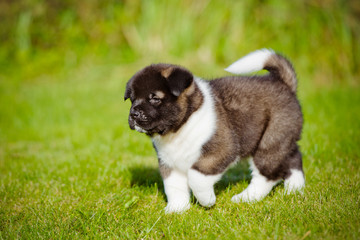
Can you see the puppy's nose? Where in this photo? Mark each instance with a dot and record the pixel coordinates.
(137, 115)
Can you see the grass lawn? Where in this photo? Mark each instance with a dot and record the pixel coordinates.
(71, 168)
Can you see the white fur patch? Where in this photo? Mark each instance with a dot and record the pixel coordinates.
(252, 62)
(296, 181)
(160, 94)
(202, 187)
(139, 129)
(182, 149)
(258, 188)
(177, 192)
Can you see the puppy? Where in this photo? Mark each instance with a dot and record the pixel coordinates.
(199, 128)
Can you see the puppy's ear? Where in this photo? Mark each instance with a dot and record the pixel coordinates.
(127, 90)
(178, 79)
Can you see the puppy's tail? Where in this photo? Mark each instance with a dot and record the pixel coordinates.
(277, 65)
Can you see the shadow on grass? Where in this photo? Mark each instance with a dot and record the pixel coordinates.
(240, 172)
(146, 177)
(149, 176)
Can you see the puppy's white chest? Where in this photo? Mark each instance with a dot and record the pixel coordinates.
(182, 149)
(178, 155)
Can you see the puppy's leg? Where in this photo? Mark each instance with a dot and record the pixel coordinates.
(294, 180)
(259, 187)
(177, 192)
(202, 187)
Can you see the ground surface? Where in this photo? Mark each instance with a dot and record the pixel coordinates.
(71, 168)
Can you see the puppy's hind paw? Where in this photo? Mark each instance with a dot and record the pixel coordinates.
(295, 183)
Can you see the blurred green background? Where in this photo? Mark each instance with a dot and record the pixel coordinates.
(322, 37)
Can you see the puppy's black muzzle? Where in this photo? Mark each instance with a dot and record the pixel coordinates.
(138, 115)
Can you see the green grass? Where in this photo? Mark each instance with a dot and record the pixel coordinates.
(71, 168)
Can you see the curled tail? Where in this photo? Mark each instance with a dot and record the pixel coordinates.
(266, 59)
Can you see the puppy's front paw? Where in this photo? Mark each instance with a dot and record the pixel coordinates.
(258, 188)
(206, 199)
(246, 196)
(176, 207)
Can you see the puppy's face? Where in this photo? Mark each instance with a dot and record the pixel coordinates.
(154, 93)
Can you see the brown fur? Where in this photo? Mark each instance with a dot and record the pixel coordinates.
(259, 117)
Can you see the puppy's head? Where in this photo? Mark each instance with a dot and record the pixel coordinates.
(155, 94)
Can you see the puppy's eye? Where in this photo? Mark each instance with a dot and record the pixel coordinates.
(154, 100)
